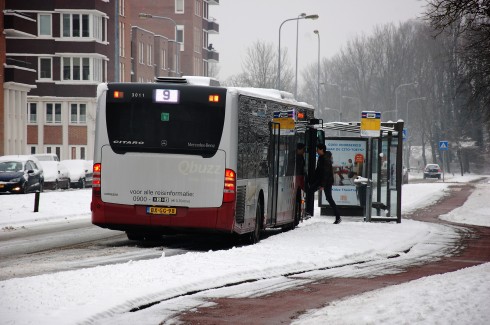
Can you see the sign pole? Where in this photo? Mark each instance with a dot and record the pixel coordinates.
(443, 165)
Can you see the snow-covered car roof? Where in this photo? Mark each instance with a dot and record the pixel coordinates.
(22, 158)
(76, 167)
(50, 169)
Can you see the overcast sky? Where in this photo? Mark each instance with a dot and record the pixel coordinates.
(243, 22)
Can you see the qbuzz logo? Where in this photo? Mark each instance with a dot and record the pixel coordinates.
(190, 167)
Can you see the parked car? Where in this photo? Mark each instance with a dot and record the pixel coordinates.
(56, 175)
(46, 157)
(432, 171)
(80, 172)
(20, 174)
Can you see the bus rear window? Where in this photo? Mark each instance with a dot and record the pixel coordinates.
(165, 118)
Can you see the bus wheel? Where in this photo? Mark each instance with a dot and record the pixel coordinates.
(254, 237)
(135, 235)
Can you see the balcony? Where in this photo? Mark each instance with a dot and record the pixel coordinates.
(19, 25)
(210, 55)
(20, 75)
(211, 26)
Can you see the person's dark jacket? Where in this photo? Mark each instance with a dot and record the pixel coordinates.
(323, 175)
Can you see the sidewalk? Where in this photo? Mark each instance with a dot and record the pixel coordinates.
(285, 306)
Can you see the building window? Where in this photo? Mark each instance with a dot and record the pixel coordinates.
(197, 8)
(97, 28)
(78, 152)
(121, 7)
(180, 36)
(205, 38)
(45, 68)
(141, 53)
(122, 34)
(44, 25)
(53, 149)
(53, 113)
(163, 60)
(205, 10)
(32, 112)
(78, 25)
(179, 6)
(33, 150)
(122, 71)
(149, 54)
(78, 113)
(82, 69)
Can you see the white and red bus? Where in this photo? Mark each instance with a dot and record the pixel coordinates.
(174, 156)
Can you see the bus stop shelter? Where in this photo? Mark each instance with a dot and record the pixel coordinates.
(368, 171)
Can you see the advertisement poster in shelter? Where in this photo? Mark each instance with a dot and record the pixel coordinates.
(349, 160)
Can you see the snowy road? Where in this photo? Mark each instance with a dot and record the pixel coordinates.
(62, 246)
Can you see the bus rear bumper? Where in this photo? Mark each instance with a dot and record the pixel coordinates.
(131, 217)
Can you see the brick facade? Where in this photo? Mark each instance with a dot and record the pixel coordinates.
(77, 135)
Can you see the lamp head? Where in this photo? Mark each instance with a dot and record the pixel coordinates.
(144, 16)
(312, 17)
(316, 31)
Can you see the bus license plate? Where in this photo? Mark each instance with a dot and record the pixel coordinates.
(161, 211)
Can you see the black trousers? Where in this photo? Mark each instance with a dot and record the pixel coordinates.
(328, 194)
(310, 204)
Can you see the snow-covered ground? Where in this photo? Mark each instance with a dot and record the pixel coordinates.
(105, 294)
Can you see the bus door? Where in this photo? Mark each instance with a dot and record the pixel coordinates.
(313, 137)
(274, 136)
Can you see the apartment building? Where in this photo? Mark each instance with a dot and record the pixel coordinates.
(186, 21)
(57, 52)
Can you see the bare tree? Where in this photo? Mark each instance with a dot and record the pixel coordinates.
(259, 68)
(469, 21)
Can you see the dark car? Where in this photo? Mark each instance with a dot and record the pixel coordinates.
(20, 174)
(432, 171)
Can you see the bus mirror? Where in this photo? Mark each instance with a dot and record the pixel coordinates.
(314, 121)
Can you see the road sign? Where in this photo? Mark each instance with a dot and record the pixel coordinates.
(405, 134)
(443, 145)
(370, 124)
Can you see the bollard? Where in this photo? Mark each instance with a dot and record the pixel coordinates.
(36, 201)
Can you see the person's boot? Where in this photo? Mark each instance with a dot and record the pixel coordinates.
(337, 220)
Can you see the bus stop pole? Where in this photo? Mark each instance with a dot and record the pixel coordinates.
(399, 168)
(369, 187)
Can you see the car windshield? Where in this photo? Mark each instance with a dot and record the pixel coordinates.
(11, 166)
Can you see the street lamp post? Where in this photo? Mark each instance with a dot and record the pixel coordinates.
(177, 59)
(279, 52)
(411, 100)
(297, 40)
(396, 95)
(318, 68)
(340, 100)
(408, 141)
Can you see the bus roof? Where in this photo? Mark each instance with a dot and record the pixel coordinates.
(274, 94)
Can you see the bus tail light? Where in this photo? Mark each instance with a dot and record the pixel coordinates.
(229, 191)
(96, 179)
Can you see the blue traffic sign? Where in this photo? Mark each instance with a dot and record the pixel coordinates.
(443, 145)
